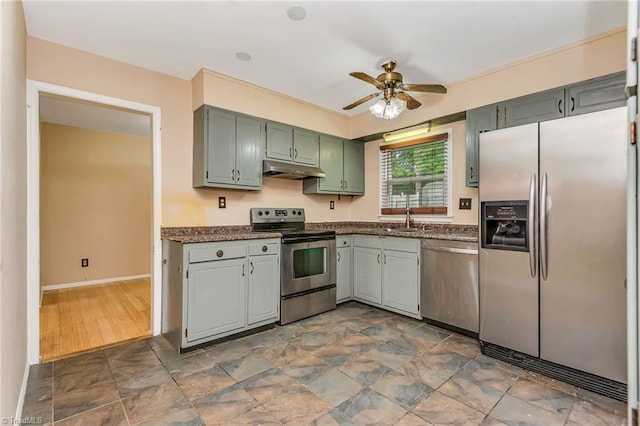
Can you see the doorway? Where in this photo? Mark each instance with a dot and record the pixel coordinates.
(99, 281)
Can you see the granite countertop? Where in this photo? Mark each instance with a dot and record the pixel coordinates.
(203, 234)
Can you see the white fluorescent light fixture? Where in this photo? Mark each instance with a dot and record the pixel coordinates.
(407, 134)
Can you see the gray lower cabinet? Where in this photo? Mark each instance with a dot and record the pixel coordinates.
(291, 144)
(386, 273)
(344, 266)
(213, 290)
(216, 299)
(580, 98)
(227, 149)
(343, 163)
(264, 282)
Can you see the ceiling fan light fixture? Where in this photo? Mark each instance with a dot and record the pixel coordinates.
(388, 109)
(296, 13)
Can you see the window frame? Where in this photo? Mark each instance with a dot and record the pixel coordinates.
(417, 215)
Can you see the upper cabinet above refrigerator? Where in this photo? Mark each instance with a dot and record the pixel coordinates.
(580, 98)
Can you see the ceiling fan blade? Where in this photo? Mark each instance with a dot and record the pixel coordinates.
(361, 101)
(430, 88)
(411, 102)
(367, 78)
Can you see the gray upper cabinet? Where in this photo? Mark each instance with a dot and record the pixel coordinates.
(343, 163)
(305, 147)
(580, 98)
(287, 143)
(227, 149)
(279, 141)
(478, 120)
(597, 94)
(532, 109)
(353, 167)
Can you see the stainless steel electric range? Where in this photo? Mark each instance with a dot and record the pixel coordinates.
(307, 263)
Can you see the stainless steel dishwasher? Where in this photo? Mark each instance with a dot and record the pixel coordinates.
(449, 284)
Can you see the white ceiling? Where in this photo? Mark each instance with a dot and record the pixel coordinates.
(433, 41)
(69, 112)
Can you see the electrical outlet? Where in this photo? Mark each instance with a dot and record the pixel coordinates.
(84, 263)
(222, 202)
(465, 204)
(332, 205)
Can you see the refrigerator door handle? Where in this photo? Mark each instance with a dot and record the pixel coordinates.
(532, 226)
(544, 258)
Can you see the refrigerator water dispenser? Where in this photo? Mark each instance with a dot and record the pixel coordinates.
(504, 225)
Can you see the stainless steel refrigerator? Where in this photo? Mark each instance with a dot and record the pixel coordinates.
(552, 246)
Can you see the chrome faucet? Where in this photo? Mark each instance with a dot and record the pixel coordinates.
(408, 214)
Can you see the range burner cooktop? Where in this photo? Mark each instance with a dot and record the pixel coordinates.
(289, 222)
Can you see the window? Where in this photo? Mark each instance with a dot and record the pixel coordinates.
(418, 169)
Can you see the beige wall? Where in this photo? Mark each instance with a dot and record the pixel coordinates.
(13, 206)
(95, 203)
(183, 205)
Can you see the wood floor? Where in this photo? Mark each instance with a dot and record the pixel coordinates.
(78, 319)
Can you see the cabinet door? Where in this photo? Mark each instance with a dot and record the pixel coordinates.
(597, 94)
(367, 271)
(221, 140)
(543, 106)
(305, 147)
(331, 159)
(400, 281)
(216, 298)
(279, 141)
(344, 275)
(354, 167)
(264, 281)
(248, 151)
(479, 120)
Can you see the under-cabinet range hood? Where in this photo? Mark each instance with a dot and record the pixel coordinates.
(278, 169)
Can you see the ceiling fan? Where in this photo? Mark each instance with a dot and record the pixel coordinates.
(394, 90)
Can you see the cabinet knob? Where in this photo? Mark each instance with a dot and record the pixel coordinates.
(264, 249)
(219, 253)
(344, 243)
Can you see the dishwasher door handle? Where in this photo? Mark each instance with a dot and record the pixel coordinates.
(453, 250)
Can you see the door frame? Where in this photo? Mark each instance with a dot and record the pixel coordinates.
(34, 89)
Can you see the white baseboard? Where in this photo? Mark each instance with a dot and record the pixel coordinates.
(23, 392)
(93, 282)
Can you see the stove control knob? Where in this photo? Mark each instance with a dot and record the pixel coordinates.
(300, 212)
(260, 213)
(266, 212)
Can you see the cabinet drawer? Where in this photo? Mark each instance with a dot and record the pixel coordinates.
(216, 252)
(410, 245)
(367, 241)
(343, 242)
(259, 249)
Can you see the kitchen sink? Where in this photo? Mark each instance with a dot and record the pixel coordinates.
(402, 229)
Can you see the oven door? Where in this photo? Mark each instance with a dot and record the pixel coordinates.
(308, 265)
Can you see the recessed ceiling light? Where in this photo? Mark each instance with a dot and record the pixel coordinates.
(296, 13)
(243, 56)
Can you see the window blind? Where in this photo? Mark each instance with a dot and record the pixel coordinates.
(417, 169)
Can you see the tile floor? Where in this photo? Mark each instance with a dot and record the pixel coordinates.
(354, 365)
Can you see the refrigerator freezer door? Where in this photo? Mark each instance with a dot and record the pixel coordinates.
(508, 293)
(582, 300)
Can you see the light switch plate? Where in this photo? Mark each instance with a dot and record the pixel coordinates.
(465, 204)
